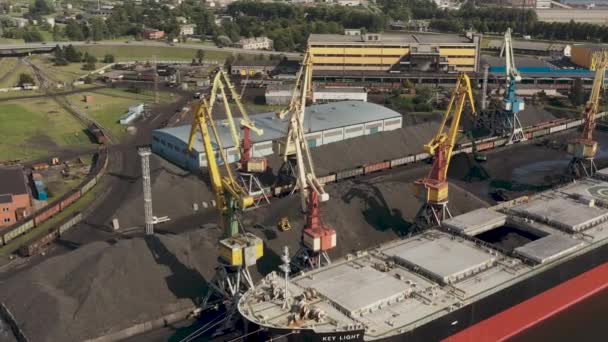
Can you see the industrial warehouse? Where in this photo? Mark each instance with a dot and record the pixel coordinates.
(325, 124)
(394, 52)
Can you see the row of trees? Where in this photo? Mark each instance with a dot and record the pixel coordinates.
(68, 54)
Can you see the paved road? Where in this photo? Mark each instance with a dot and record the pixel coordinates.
(146, 43)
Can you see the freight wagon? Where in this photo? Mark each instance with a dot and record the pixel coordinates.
(369, 168)
(23, 227)
(37, 246)
(345, 174)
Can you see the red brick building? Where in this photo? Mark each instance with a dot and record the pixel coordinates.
(15, 200)
(153, 34)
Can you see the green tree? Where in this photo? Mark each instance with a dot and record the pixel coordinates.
(25, 79)
(89, 62)
(59, 55)
(58, 33)
(200, 55)
(98, 29)
(108, 58)
(40, 7)
(32, 36)
(577, 94)
(73, 30)
(71, 55)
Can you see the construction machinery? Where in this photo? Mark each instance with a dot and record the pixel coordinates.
(317, 237)
(584, 148)
(433, 189)
(284, 224)
(248, 167)
(511, 103)
(238, 249)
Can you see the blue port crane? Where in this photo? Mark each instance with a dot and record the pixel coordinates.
(511, 103)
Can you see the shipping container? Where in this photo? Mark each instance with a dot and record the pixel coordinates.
(48, 212)
(70, 199)
(41, 193)
(467, 144)
(528, 135)
(367, 169)
(327, 179)
(37, 246)
(344, 174)
(540, 132)
(557, 128)
(70, 223)
(21, 228)
(88, 185)
(422, 156)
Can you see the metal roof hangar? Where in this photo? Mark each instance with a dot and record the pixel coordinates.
(324, 124)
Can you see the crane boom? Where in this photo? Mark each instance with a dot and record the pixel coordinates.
(434, 188)
(317, 237)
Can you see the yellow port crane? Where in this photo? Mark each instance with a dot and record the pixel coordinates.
(248, 167)
(584, 148)
(238, 249)
(317, 237)
(433, 189)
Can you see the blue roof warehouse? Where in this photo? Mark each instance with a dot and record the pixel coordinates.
(324, 124)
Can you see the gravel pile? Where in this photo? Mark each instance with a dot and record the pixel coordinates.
(104, 287)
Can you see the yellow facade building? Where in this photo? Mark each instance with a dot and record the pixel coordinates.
(395, 53)
(581, 54)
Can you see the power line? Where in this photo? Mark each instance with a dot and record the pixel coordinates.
(242, 337)
(277, 338)
(203, 329)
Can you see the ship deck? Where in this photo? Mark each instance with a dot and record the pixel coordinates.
(398, 286)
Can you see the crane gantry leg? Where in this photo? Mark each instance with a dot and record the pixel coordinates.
(432, 214)
(514, 129)
(582, 167)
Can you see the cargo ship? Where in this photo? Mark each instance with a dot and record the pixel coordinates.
(441, 281)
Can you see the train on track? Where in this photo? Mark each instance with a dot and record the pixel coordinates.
(52, 210)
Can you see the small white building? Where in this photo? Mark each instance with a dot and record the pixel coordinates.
(334, 94)
(181, 20)
(278, 94)
(134, 112)
(349, 3)
(257, 43)
(352, 32)
(186, 29)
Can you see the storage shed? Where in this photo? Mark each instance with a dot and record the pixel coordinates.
(324, 124)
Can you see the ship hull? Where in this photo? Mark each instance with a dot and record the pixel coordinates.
(462, 318)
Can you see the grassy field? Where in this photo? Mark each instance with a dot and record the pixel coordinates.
(66, 73)
(36, 128)
(144, 53)
(10, 69)
(110, 104)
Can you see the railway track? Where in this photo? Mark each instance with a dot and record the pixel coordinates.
(46, 83)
